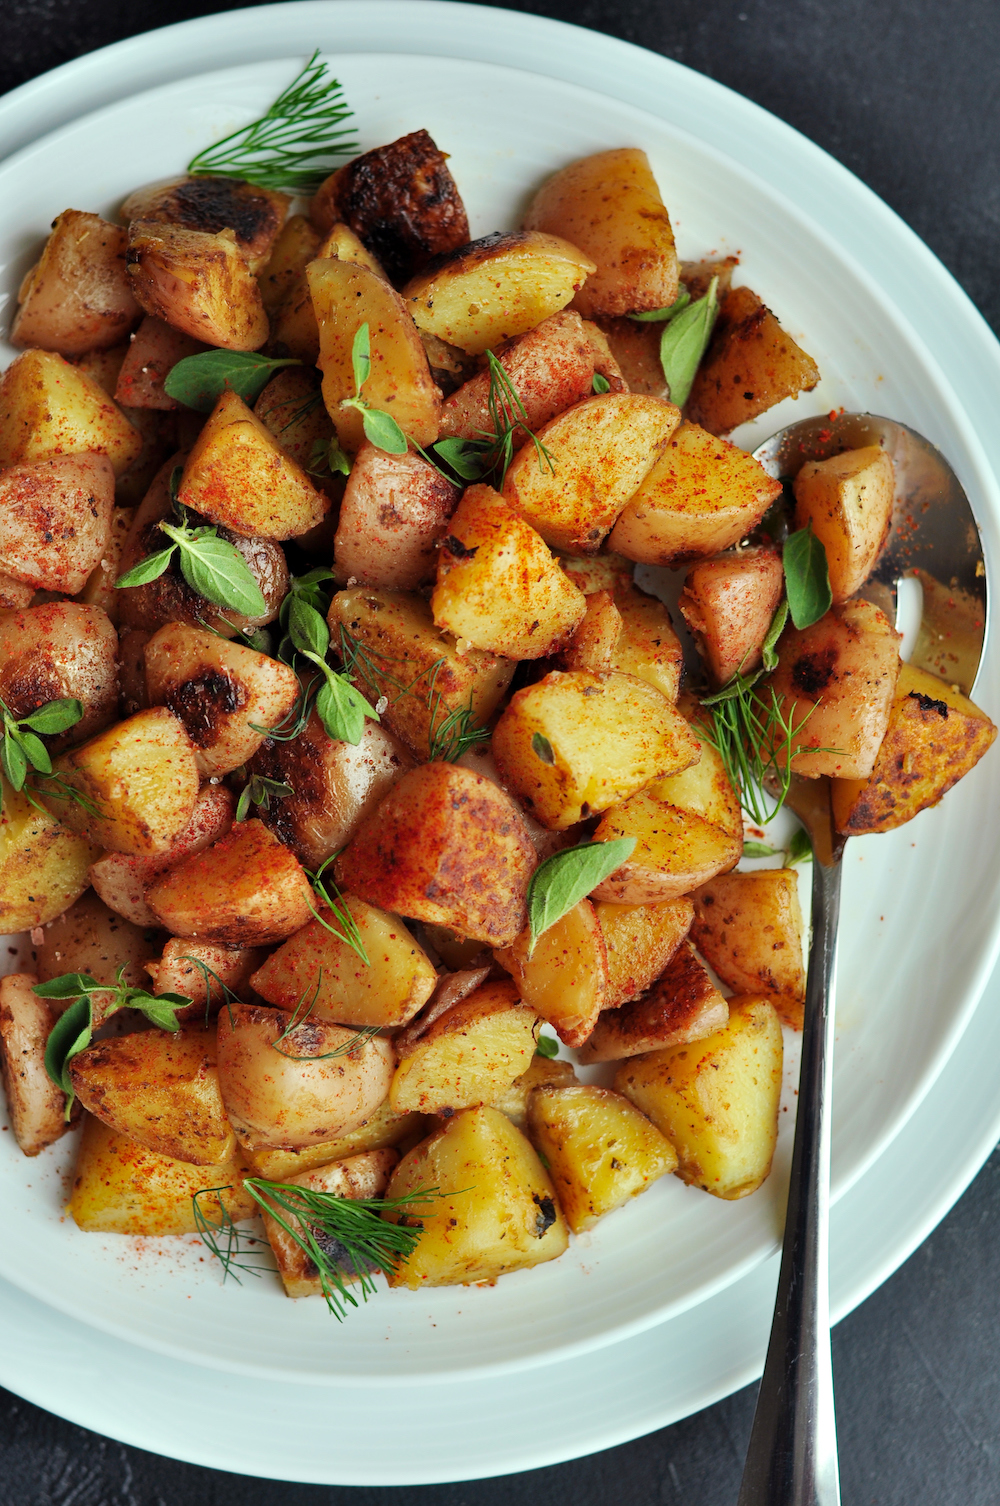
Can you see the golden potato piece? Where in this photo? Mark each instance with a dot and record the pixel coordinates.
(647, 646)
(703, 787)
(592, 646)
(848, 500)
(77, 297)
(336, 984)
(61, 648)
(750, 365)
(610, 206)
(91, 938)
(599, 1149)
(160, 1090)
(202, 970)
(498, 586)
(595, 457)
(48, 407)
(494, 288)
(43, 865)
(683, 1005)
(748, 926)
(729, 602)
(574, 744)
(296, 245)
(700, 496)
(99, 589)
(495, 1210)
(635, 349)
(640, 941)
(543, 1072)
(564, 977)
(245, 890)
(470, 1055)
(393, 512)
(198, 282)
(445, 846)
(675, 851)
(362, 1177)
(382, 1129)
(934, 737)
(120, 1187)
(37, 1108)
(717, 1099)
(213, 204)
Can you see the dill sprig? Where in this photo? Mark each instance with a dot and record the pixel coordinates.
(231, 1245)
(757, 743)
(449, 736)
(326, 890)
(289, 148)
(301, 1013)
(488, 456)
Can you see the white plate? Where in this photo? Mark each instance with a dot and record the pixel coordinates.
(904, 1004)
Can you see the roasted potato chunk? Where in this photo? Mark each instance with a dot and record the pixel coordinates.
(90, 938)
(934, 737)
(394, 510)
(445, 846)
(43, 865)
(202, 970)
(155, 350)
(469, 1056)
(291, 409)
(610, 206)
(77, 298)
(99, 590)
(640, 941)
(748, 926)
(495, 1211)
(364, 1176)
(382, 1129)
(675, 850)
(750, 365)
(50, 408)
(297, 244)
(37, 1108)
(599, 1149)
(647, 646)
(198, 282)
(55, 517)
(635, 349)
(592, 646)
(683, 1005)
(848, 500)
(286, 1085)
(729, 602)
(211, 205)
(56, 650)
(544, 1072)
(564, 976)
(717, 1099)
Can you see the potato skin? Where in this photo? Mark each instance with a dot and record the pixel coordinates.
(62, 648)
(728, 602)
(199, 283)
(55, 517)
(155, 349)
(683, 1005)
(90, 938)
(364, 1176)
(35, 1105)
(750, 365)
(77, 297)
(749, 929)
(393, 511)
(445, 846)
(640, 941)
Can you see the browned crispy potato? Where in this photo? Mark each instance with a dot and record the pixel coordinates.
(469, 1056)
(287, 1085)
(187, 967)
(297, 244)
(728, 602)
(640, 941)
(317, 966)
(675, 850)
(610, 206)
(340, 241)
(43, 865)
(592, 646)
(683, 1005)
(750, 365)
(160, 1090)
(599, 1149)
(596, 456)
(717, 1099)
(551, 367)
(364, 1176)
(219, 691)
(498, 586)
(394, 510)
(496, 1210)
(120, 1187)
(382, 1128)
(400, 200)
(90, 938)
(294, 330)
(848, 500)
(60, 649)
(495, 288)
(748, 926)
(697, 275)
(37, 1108)
(841, 674)
(543, 1072)
(336, 786)
(121, 879)
(77, 297)
(702, 495)
(934, 737)
(564, 977)
(245, 890)
(155, 350)
(445, 846)
(574, 744)
(213, 204)
(393, 649)
(198, 282)
(48, 407)
(55, 517)
(345, 296)
(100, 588)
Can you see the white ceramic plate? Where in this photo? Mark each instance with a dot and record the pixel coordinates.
(903, 1001)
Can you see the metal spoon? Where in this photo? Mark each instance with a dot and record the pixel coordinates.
(792, 1457)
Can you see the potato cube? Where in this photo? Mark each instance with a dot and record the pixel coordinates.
(37, 1108)
(316, 966)
(750, 365)
(382, 1129)
(90, 938)
(683, 1005)
(564, 977)
(48, 407)
(155, 350)
(469, 1056)
(716, 1100)
(495, 1208)
(394, 510)
(599, 1149)
(77, 297)
(296, 246)
(574, 744)
(202, 970)
(640, 941)
(43, 865)
(361, 1177)
(498, 586)
(848, 500)
(543, 1072)
(210, 203)
(675, 850)
(729, 602)
(60, 649)
(199, 283)
(701, 495)
(291, 409)
(445, 846)
(748, 926)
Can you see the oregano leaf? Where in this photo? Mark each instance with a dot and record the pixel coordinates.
(382, 430)
(216, 570)
(569, 876)
(769, 648)
(199, 381)
(684, 342)
(361, 358)
(55, 716)
(151, 568)
(807, 577)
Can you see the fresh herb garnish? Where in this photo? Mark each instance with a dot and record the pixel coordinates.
(799, 849)
(542, 748)
(488, 456)
(260, 791)
(199, 381)
(326, 458)
(301, 1013)
(684, 342)
(759, 850)
(600, 384)
(448, 736)
(807, 577)
(21, 749)
(756, 742)
(659, 316)
(73, 1030)
(569, 876)
(381, 429)
(347, 929)
(547, 1046)
(289, 147)
(457, 732)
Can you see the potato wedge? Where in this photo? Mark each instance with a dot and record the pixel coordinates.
(750, 365)
(212, 205)
(37, 1108)
(77, 297)
(495, 1210)
(99, 590)
(683, 1005)
(748, 927)
(394, 510)
(50, 408)
(729, 602)
(43, 865)
(717, 1099)
(675, 851)
(199, 969)
(599, 1149)
(155, 350)
(848, 500)
(382, 1129)
(564, 978)
(364, 1176)
(640, 941)
(544, 1072)
(90, 938)
(198, 282)
(60, 649)
(469, 1056)
(703, 787)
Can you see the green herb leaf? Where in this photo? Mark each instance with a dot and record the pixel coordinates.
(260, 791)
(600, 383)
(758, 850)
(199, 381)
(151, 568)
(338, 461)
(54, 717)
(756, 741)
(159, 1009)
(769, 649)
(547, 1046)
(342, 710)
(464, 456)
(15, 765)
(807, 577)
(382, 430)
(569, 876)
(799, 849)
(35, 751)
(361, 357)
(66, 986)
(684, 342)
(542, 748)
(70, 1035)
(216, 570)
(658, 316)
(306, 626)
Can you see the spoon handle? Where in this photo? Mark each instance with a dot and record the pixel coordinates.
(792, 1457)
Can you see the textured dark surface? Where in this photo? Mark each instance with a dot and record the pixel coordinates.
(906, 93)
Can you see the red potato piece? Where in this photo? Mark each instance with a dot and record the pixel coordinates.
(55, 518)
(14, 594)
(728, 603)
(155, 350)
(210, 204)
(364, 1177)
(61, 648)
(202, 970)
(683, 1005)
(393, 512)
(36, 1106)
(77, 297)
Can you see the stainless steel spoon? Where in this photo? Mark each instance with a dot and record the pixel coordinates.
(792, 1457)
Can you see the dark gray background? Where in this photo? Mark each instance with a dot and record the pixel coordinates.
(906, 93)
